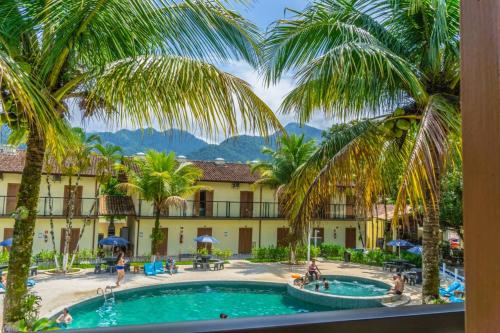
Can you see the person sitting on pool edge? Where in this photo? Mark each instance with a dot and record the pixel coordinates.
(326, 284)
(64, 319)
(399, 285)
(314, 270)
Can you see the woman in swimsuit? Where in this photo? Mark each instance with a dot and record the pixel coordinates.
(120, 268)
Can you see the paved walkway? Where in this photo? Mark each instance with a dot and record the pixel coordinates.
(59, 291)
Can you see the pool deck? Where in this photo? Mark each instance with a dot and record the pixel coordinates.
(59, 291)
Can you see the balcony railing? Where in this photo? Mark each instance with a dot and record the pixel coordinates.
(82, 207)
(193, 209)
(241, 210)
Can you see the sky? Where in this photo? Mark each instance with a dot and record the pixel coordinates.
(262, 13)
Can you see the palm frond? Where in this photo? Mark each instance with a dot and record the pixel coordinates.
(181, 92)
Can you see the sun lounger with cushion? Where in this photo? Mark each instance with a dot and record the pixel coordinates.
(149, 269)
(158, 266)
(446, 292)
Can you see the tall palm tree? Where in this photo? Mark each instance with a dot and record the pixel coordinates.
(142, 62)
(396, 61)
(292, 153)
(161, 180)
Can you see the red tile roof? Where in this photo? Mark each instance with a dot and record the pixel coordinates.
(226, 172)
(212, 171)
(14, 163)
(116, 206)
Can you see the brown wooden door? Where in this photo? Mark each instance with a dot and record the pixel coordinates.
(245, 241)
(209, 203)
(203, 232)
(350, 238)
(282, 237)
(246, 204)
(78, 200)
(350, 202)
(11, 201)
(7, 233)
(75, 234)
(163, 246)
(320, 234)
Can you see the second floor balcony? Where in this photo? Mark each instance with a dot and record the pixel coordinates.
(83, 207)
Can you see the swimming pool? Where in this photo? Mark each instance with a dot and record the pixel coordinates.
(189, 301)
(350, 286)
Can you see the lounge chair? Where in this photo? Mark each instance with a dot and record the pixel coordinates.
(149, 269)
(158, 266)
(447, 292)
(30, 283)
(454, 299)
(2, 288)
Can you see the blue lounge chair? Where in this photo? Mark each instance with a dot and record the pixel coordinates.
(159, 267)
(447, 292)
(454, 299)
(2, 288)
(149, 269)
(30, 283)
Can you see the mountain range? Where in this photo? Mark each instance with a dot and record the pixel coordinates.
(241, 148)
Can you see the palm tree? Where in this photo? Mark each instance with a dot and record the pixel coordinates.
(160, 179)
(396, 62)
(292, 153)
(143, 62)
(75, 160)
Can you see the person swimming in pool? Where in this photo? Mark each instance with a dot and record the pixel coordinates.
(223, 316)
(326, 284)
(64, 319)
(120, 268)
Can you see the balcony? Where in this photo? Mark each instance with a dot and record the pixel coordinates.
(241, 210)
(194, 209)
(83, 206)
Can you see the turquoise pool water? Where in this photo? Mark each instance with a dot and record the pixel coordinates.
(171, 303)
(350, 286)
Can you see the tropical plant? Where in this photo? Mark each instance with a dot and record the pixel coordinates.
(293, 151)
(141, 61)
(164, 182)
(396, 61)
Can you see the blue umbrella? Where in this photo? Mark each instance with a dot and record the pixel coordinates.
(399, 243)
(7, 242)
(415, 250)
(206, 239)
(113, 240)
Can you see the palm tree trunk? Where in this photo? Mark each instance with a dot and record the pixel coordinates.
(156, 231)
(69, 221)
(51, 220)
(430, 251)
(20, 255)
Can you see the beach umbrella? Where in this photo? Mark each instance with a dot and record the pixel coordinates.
(206, 239)
(398, 243)
(6, 242)
(114, 241)
(415, 250)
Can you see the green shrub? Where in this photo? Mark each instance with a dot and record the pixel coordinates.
(270, 254)
(357, 256)
(374, 257)
(222, 254)
(332, 250)
(4, 256)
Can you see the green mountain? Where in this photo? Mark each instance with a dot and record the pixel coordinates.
(244, 148)
(135, 141)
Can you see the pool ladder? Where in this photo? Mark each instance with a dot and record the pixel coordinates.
(106, 293)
